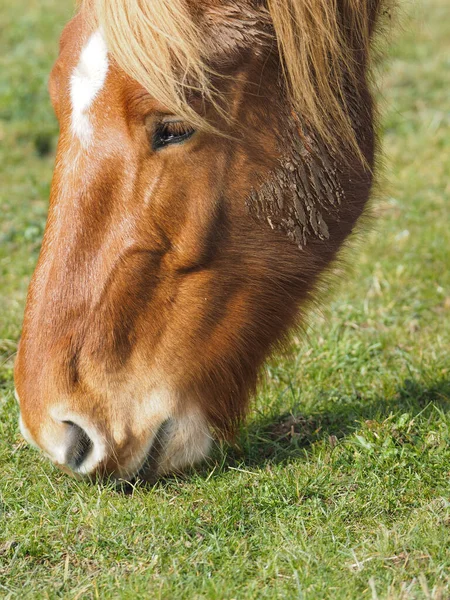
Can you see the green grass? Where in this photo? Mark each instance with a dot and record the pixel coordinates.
(338, 486)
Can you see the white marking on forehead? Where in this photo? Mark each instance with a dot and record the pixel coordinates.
(87, 80)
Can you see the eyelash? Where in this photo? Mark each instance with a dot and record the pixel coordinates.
(171, 132)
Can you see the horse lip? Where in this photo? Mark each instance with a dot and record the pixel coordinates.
(148, 472)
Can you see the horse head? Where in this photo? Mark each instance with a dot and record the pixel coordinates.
(213, 157)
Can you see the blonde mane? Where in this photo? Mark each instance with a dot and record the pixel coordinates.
(322, 44)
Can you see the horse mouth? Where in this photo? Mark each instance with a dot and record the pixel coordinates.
(149, 470)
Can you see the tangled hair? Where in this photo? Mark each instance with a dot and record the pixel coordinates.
(323, 46)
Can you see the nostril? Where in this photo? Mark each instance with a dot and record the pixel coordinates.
(80, 446)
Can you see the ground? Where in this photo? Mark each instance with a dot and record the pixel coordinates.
(339, 485)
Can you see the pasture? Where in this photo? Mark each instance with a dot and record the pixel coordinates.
(338, 486)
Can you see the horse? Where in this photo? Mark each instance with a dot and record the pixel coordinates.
(213, 158)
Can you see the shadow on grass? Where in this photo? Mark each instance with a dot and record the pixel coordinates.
(288, 436)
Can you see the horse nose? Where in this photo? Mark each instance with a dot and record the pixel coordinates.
(70, 442)
(82, 449)
(79, 446)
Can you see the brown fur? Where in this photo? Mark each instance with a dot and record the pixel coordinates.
(183, 268)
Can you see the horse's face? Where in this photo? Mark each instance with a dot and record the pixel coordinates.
(140, 316)
(167, 271)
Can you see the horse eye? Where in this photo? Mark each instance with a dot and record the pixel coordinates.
(171, 132)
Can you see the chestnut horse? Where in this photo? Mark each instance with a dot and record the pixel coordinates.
(214, 155)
